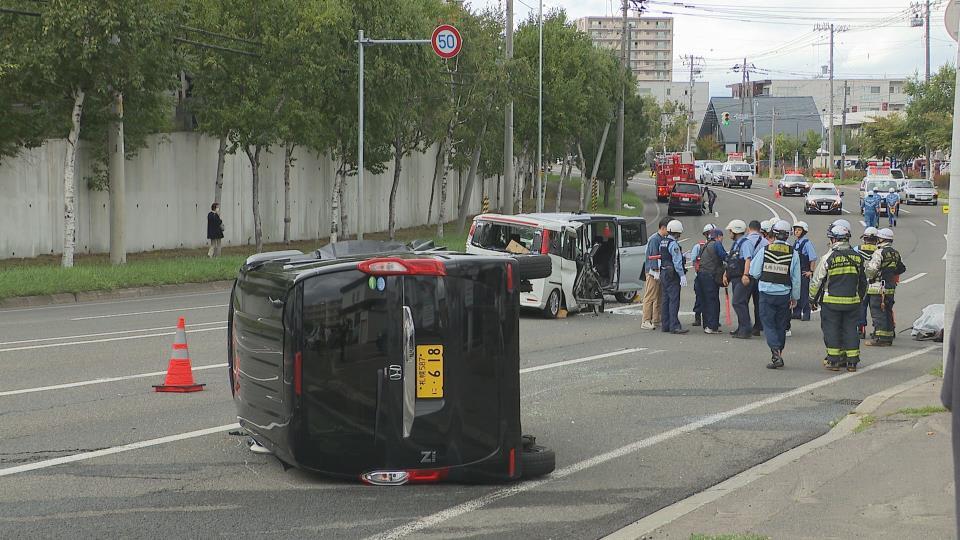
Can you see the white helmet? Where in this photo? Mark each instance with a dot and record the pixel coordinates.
(675, 226)
(839, 232)
(885, 234)
(766, 225)
(842, 223)
(891, 190)
(870, 231)
(708, 227)
(781, 226)
(802, 225)
(874, 191)
(737, 226)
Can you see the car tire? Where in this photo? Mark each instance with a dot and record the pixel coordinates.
(806, 211)
(552, 308)
(536, 461)
(533, 266)
(626, 297)
(669, 211)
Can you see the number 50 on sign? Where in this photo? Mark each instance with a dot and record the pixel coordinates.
(446, 41)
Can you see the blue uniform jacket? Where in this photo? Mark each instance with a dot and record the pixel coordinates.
(756, 268)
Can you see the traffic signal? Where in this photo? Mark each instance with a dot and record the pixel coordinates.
(726, 119)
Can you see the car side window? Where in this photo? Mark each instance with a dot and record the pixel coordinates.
(569, 248)
(632, 234)
(555, 243)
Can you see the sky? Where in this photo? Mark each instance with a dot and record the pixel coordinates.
(778, 36)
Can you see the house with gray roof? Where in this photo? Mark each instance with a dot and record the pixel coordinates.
(793, 116)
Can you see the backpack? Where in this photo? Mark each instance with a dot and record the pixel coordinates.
(734, 265)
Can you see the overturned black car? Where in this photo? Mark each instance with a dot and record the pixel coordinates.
(377, 361)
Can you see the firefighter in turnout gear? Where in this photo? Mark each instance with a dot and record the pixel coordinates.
(883, 270)
(776, 267)
(838, 285)
(866, 249)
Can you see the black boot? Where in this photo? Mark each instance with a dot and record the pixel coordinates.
(776, 360)
(696, 320)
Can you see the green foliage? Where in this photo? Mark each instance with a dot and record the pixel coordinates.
(708, 148)
(922, 412)
(890, 137)
(640, 116)
(930, 111)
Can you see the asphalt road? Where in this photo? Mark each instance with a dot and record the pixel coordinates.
(657, 419)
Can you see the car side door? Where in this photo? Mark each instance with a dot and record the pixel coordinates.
(631, 253)
(569, 257)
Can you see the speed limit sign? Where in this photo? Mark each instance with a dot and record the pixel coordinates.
(446, 41)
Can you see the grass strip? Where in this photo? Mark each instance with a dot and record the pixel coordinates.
(922, 411)
(728, 537)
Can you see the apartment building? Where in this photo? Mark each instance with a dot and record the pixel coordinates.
(649, 43)
(863, 95)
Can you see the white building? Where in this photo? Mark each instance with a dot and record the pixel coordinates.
(650, 42)
(679, 93)
(863, 95)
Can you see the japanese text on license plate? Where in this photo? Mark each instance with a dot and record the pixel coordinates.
(429, 371)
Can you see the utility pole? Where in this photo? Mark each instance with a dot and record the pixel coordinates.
(830, 27)
(952, 256)
(507, 206)
(618, 163)
(843, 131)
(743, 103)
(118, 184)
(773, 142)
(540, 185)
(927, 79)
(694, 71)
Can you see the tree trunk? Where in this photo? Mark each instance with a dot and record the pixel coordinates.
(335, 203)
(397, 164)
(596, 163)
(221, 158)
(253, 155)
(467, 194)
(70, 182)
(441, 210)
(583, 176)
(343, 207)
(564, 174)
(437, 164)
(287, 164)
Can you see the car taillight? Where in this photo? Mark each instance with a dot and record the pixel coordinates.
(425, 476)
(545, 242)
(298, 373)
(395, 266)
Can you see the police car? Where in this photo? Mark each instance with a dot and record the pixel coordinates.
(823, 198)
(793, 184)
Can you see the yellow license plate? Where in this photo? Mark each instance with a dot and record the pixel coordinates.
(429, 371)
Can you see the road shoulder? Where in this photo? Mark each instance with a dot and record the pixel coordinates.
(116, 294)
(877, 473)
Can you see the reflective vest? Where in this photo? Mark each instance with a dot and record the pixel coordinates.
(666, 258)
(802, 252)
(844, 279)
(776, 264)
(891, 266)
(867, 249)
(710, 263)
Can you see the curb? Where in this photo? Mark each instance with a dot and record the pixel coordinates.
(116, 294)
(644, 528)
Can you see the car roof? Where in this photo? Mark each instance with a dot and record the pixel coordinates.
(823, 185)
(554, 219)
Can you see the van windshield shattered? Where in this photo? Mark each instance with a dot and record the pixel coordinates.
(510, 237)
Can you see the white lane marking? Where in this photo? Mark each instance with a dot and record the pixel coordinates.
(845, 211)
(100, 381)
(765, 205)
(716, 214)
(944, 253)
(146, 312)
(913, 278)
(905, 211)
(138, 299)
(581, 360)
(863, 223)
(208, 431)
(480, 502)
(682, 240)
(105, 340)
(100, 334)
(115, 450)
(930, 223)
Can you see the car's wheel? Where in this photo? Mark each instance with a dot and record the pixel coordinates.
(669, 211)
(552, 309)
(806, 211)
(625, 297)
(536, 460)
(533, 266)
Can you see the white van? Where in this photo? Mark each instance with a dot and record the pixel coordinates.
(565, 236)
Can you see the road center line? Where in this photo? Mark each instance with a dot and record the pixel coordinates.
(201, 432)
(147, 312)
(930, 223)
(105, 340)
(101, 334)
(100, 381)
(481, 502)
(913, 278)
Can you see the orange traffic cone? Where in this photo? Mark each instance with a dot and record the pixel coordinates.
(179, 371)
(777, 194)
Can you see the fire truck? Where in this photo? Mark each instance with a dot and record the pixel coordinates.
(673, 168)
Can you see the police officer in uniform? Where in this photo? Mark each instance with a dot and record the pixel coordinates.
(736, 276)
(709, 278)
(893, 207)
(756, 239)
(808, 259)
(871, 208)
(838, 285)
(672, 277)
(776, 268)
(883, 269)
(695, 255)
(866, 249)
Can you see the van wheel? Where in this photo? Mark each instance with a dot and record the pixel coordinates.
(625, 297)
(552, 308)
(536, 460)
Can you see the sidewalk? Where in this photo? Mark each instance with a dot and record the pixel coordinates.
(881, 473)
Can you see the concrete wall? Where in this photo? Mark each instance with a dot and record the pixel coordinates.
(170, 189)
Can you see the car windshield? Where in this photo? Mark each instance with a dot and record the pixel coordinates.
(686, 188)
(881, 185)
(715, 167)
(794, 178)
(920, 184)
(740, 167)
(823, 191)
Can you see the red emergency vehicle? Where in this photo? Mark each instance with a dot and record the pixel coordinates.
(673, 168)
